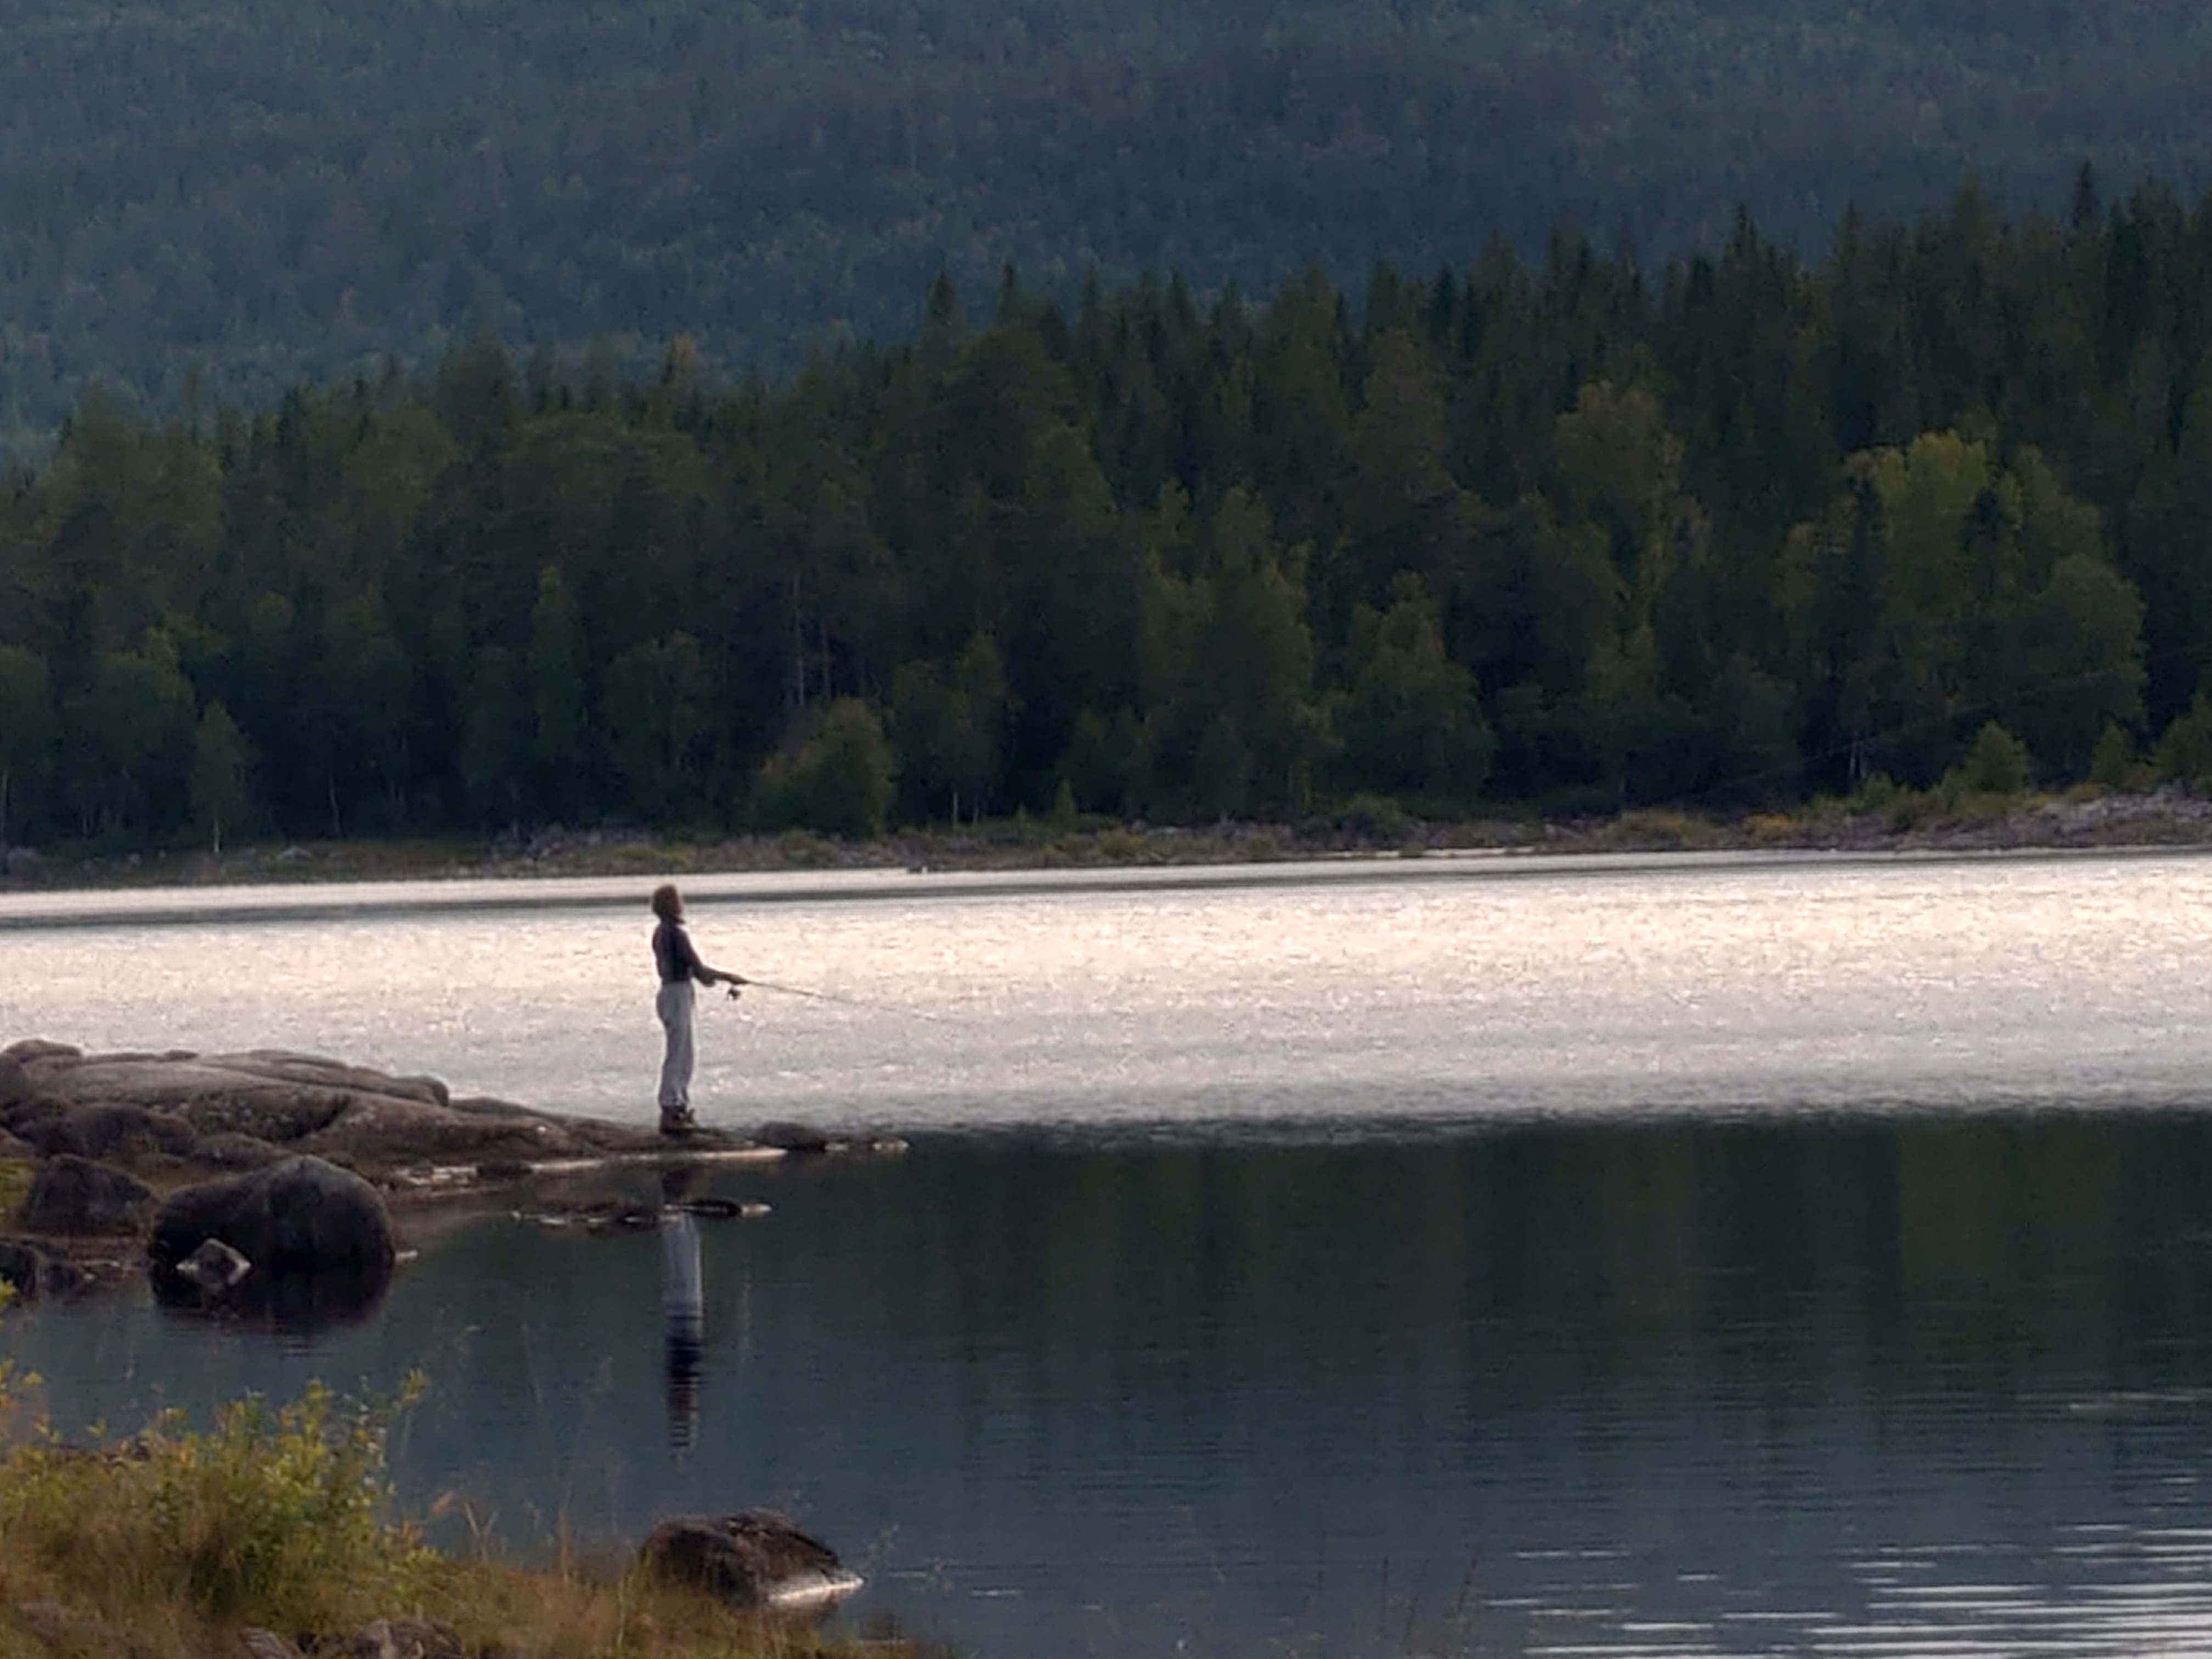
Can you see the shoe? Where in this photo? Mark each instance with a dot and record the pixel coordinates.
(678, 1123)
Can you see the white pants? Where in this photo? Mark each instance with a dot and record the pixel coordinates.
(674, 1005)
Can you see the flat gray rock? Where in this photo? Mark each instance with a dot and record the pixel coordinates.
(211, 1108)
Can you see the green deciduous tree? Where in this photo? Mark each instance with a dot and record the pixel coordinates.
(654, 715)
(836, 774)
(129, 735)
(27, 728)
(1231, 718)
(947, 728)
(1944, 588)
(221, 796)
(1409, 720)
(560, 749)
(358, 692)
(1998, 763)
(495, 746)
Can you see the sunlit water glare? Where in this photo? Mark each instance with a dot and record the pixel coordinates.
(1435, 989)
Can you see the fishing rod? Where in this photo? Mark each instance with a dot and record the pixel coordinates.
(831, 996)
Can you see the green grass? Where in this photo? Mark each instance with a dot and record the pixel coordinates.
(165, 1545)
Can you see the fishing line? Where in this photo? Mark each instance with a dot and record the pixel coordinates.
(842, 1001)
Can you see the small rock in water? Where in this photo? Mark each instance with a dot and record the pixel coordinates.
(615, 1214)
(722, 1209)
(215, 1267)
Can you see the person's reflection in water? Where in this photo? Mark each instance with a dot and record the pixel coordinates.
(683, 1305)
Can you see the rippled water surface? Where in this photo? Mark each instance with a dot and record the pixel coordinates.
(1436, 989)
(1788, 1257)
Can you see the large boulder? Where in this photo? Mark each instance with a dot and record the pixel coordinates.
(317, 1238)
(72, 1197)
(755, 1558)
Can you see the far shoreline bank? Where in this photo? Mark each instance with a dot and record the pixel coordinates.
(2165, 820)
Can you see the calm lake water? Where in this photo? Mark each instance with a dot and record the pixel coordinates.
(1471, 1256)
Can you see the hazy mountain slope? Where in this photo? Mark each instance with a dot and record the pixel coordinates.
(248, 191)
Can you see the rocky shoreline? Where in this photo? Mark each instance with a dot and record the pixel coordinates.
(309, 1170)
(281, 1189)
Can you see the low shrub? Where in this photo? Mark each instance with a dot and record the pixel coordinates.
(1377, 819)
(274, 1517)
(1661, 827)
(163, 1545)
(1118, 846)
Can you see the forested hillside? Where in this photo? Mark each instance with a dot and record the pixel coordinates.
(207, 199)
(1562, 532)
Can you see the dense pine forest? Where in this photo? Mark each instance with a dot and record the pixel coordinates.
(207, 201)
(1566, 531)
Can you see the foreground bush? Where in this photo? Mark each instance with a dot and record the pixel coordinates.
(171, 1543)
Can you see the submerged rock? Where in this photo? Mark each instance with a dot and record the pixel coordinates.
(755, 1558)
(804, 1141)
(800, 1139)
(34, 1273)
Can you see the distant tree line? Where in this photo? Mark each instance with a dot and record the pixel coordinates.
(207, 202)
(1566, 532)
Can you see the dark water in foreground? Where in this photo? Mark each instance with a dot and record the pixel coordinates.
(1906, 1385)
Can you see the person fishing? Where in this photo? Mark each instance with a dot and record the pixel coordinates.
(680, 969)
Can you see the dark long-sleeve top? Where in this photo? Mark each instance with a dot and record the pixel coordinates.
(673, 954)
